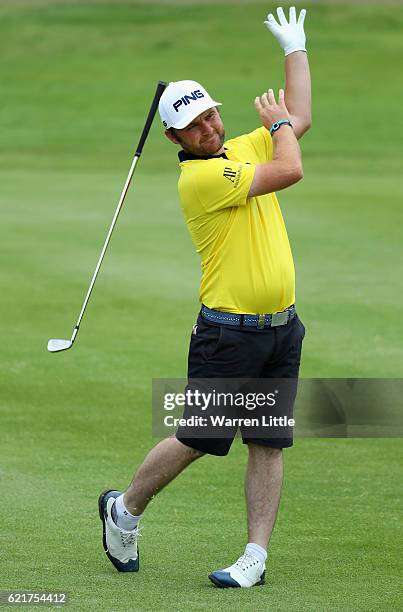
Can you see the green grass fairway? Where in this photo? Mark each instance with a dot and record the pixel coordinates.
(77, 80)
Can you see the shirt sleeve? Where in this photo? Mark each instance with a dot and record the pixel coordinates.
(262, 143)
(222, 183)
(257, 145)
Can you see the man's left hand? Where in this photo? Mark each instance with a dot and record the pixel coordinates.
(290, 35)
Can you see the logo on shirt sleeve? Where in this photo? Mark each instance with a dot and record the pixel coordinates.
(233, 175)
(230, 174)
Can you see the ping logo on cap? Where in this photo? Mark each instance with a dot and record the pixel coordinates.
(185, 100)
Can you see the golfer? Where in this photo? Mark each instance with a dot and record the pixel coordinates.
(248, 326)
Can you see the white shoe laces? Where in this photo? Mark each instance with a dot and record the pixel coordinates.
(246, 561)
(129, 537)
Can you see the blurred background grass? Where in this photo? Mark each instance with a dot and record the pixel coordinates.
(77, 80)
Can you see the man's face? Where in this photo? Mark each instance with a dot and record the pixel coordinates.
(205, 135)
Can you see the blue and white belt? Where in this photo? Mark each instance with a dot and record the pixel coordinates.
(249, 320)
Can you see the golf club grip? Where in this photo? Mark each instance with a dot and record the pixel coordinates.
(153, 109)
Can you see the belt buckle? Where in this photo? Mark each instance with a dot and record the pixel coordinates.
(279, 318)
(261, 321)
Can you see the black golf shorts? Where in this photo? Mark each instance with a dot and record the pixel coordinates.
(229, 351)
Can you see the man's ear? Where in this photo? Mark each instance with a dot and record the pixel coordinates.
(170, 134)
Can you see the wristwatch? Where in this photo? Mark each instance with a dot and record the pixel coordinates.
(276, 126)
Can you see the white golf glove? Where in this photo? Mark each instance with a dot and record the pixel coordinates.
(290, 35)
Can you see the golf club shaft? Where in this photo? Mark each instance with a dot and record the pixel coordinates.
(153, 109)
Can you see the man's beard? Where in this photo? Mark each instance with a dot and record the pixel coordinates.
(205, 149)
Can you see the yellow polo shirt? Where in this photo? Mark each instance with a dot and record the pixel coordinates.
(247, 265)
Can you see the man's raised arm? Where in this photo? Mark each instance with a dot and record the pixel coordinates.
(291, 37)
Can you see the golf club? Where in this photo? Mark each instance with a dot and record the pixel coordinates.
(56, 345)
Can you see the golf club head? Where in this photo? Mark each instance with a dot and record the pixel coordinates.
(55, 345)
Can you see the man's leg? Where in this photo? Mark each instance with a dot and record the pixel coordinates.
(264, 477)
(120, 514)
(162, 464)
(263, 481)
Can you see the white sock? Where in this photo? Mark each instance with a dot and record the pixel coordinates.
(256, 551)
(124, 519)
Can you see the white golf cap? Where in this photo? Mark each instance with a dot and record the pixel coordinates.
(182, 101)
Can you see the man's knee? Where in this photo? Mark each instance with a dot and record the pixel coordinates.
(192, 453)
(263, 449)
(196, 454)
